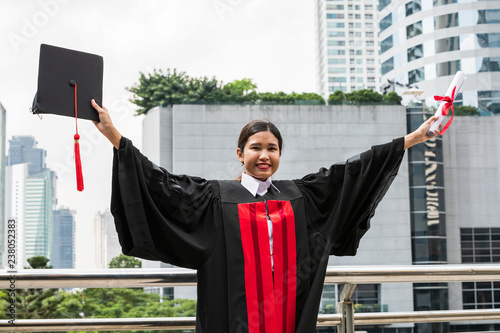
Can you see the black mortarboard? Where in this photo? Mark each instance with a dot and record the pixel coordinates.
(58, 71)
(67, 81)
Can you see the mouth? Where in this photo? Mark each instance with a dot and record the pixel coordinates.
(263, 166)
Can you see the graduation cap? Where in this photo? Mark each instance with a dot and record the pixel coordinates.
(67, 81)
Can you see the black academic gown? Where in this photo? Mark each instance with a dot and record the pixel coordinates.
(220, 229)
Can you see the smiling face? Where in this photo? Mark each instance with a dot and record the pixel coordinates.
(261, 155)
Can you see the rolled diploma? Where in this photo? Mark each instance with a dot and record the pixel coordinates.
(457, 82)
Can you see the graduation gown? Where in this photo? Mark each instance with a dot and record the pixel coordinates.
(220, 229)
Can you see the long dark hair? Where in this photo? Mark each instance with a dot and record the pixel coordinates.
(255, 126)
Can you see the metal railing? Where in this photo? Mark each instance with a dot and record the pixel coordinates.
(345, 319)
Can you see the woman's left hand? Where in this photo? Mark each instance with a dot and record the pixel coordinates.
(420, 134)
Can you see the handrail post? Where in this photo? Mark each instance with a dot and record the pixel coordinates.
(346, 309)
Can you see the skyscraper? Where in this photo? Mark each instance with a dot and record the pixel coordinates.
(35, 194)
(347, 46)
(425, 42)
(107, 245)
(22, 149)
(63, 245)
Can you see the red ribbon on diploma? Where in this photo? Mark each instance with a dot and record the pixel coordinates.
(448, 104)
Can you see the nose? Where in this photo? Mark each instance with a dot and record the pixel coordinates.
(264, 155)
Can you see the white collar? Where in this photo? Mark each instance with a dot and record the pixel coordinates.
(255, 186)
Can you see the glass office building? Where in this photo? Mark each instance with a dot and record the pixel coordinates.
(347, 46)
(425, 42)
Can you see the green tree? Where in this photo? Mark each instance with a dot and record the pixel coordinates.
(159, 89)
(394, 97)
(39, 262)
(337, 97)
(123, 261)
(465, 110)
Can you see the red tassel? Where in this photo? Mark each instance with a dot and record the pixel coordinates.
(78, 164)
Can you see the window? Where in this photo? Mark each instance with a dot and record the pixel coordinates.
(357, 16)
(436, 3)
(350, 16)
(351, 52)
(370, 52)
(369, 34)
(365, 294)
(480, 245)
(357, 7)
(336, 52)
(359, 70)
(353, 79)
(335, 88)
(489, 101)
(446, 21)
(352, 70)
(388, 65)
(334, 7)
(351, 61)
(447, 68)
(415, 52)
(369, 25)
(447, 44)
(416, 75)
(357, 25)
(386, 44)
(370, 43)
(414, 29)
(359, 80)
(481, 295)
(351, 33)
(358, 33)
(488, 16)
(336, 79)
(359, 52)
(336, 33)
(386, 22)
(335, 25)
(336, 61)
(371, 79)
(336, 43)
(359, 61)
(383, 3)
(370, 70)
(370, 61)
(336, 70)
(413, 7)
(351, 25)
(334, 16)
(488, 40)
(368, 16)
(368, 7)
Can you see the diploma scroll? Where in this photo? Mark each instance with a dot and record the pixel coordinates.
(454, 88)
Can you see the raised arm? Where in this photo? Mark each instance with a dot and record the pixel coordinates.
(105, 126)
(420, 134)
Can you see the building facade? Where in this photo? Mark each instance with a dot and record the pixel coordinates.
(425, 42)
(440, 209)
(63, 239)
(347, 46)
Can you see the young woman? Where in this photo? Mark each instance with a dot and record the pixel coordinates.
(260, 246)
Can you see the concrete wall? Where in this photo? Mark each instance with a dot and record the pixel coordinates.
(472, 183)
(204, 139)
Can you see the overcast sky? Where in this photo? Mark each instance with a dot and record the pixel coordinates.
(271, 42)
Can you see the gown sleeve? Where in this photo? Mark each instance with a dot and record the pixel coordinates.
(159, 215)
(341, 200)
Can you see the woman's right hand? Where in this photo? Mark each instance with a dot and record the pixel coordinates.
(105, 126)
